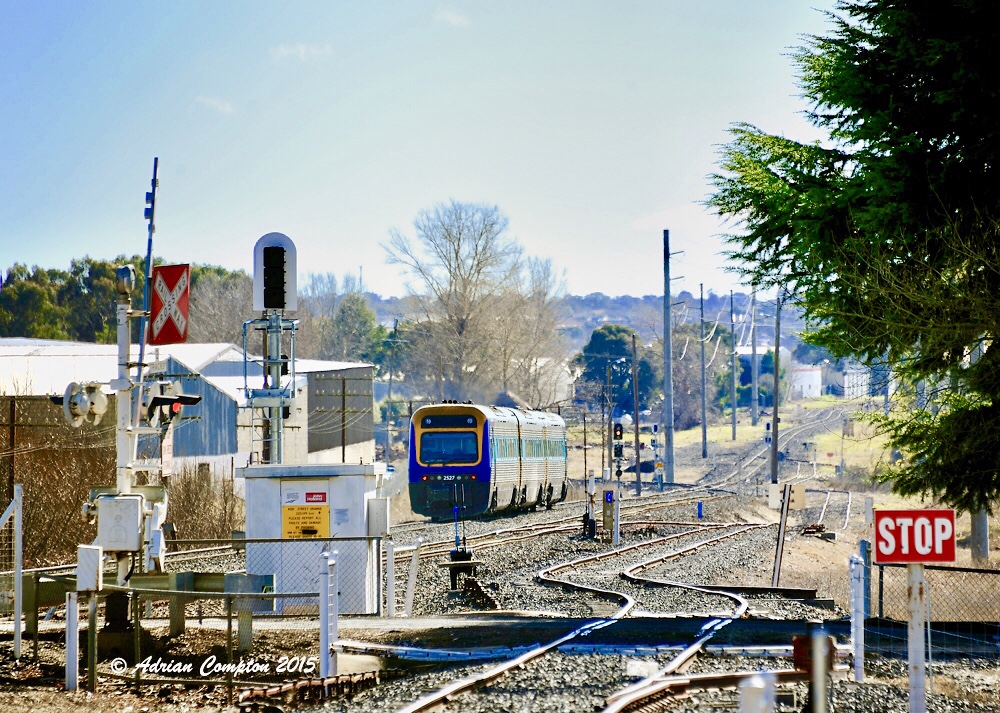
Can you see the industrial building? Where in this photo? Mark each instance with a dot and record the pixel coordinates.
(331, 422)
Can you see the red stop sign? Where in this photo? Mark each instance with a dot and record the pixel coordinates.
(914, 536)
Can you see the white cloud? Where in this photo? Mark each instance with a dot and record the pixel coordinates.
(218, 105)
(447, 16)
(301, 52)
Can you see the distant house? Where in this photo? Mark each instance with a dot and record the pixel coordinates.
(805, 382)
(857, 380)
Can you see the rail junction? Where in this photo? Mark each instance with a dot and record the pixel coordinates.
(573, 623)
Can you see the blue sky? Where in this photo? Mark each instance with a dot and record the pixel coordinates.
(593, 126)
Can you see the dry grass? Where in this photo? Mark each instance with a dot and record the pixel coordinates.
(204, 507)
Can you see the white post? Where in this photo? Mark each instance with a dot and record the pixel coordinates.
(757, 693)
(334, 631)
(819, 669)
(324, 614)
(328, 613)
(72, 641)
(858, 616)
(411, 583)
(18, 565)
(591, 489)
(915, 637)
(390, 579)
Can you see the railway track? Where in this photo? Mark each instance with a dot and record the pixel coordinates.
(666, 678)
(560, 575)
(653, 510)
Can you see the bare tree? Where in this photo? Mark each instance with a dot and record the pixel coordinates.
(318, 300)
(463, 259)
(219, 306)
(540, 373)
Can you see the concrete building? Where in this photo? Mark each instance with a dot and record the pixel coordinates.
(805, 382)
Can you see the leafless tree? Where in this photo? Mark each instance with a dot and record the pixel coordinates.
(537, 350)
(463, 260)
(219, 306)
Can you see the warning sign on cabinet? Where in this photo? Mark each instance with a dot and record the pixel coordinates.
(304, 521)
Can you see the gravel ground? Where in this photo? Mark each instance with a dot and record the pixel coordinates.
(564, 682)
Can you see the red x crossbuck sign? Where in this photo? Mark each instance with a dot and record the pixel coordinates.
(168, 315)
(914, 536)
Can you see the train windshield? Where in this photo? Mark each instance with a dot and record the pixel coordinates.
(449, 447)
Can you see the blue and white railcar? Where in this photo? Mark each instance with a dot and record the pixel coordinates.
(484, 459)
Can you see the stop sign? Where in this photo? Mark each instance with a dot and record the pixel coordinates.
(914, 536)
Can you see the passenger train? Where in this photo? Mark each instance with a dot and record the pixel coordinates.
(484, 459)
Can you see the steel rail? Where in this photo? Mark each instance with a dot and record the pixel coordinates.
(639, 691)
(646, 695)
(439, 698)
(654, 699)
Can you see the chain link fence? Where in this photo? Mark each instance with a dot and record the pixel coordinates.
(963, 611)
(286, 566)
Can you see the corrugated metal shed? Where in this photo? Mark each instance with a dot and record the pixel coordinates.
(341, 408)
(209, 427)
(215, 372)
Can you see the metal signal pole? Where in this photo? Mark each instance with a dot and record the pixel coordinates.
(611, 417)
(150, 215)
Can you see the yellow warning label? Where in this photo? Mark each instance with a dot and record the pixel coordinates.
(304, 521)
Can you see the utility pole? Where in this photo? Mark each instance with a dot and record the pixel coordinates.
(980, 526)
(732, 359)
(604, 425)
(777, 372)
(388, 397)
(635, 410)
(611, 416)
(704, 386)
(667, 415)
(754, 367)
(843, 435)
(888, 383)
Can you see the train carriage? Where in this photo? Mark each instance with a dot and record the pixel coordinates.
(484, 459)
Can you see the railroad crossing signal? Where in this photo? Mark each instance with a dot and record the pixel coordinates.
(168, 314)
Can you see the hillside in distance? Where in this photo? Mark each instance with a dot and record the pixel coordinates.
(582, 314)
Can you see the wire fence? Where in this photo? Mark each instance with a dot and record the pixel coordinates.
(293, 565)
(963, 614)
